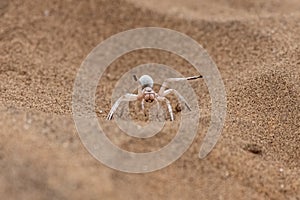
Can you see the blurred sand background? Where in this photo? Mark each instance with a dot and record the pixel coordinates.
(255, 44)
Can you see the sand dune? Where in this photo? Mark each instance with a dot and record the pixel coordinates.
(255, 45)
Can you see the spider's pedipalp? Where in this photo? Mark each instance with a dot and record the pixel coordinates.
(143, 104)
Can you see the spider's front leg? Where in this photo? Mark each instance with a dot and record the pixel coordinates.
(163, 92)
(160, 98)
(178, 95)
(166, 82)
(126, 97)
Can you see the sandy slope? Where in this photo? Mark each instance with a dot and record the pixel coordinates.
(221, 10)
(256, 47)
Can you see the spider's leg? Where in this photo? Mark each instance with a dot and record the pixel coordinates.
(143, 106)
(158, 107)
(168, 105)
(135, 78)
(166, 92)
(194, 77)
(157, 103)
(126, 97)
(166, 82)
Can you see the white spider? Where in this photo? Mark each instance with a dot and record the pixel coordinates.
(146, 93)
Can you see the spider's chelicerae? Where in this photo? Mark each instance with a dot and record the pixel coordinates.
(146, 93)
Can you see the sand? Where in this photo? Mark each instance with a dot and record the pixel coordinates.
(256, 46)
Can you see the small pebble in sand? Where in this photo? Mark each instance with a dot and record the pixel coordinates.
(253, 148)
(281, 170)
(226, 174)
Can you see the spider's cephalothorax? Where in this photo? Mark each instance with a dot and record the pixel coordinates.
(146, 93)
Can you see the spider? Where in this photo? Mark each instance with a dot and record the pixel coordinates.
(146, 93)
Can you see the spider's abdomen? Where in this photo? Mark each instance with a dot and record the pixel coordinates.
(146, 81)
